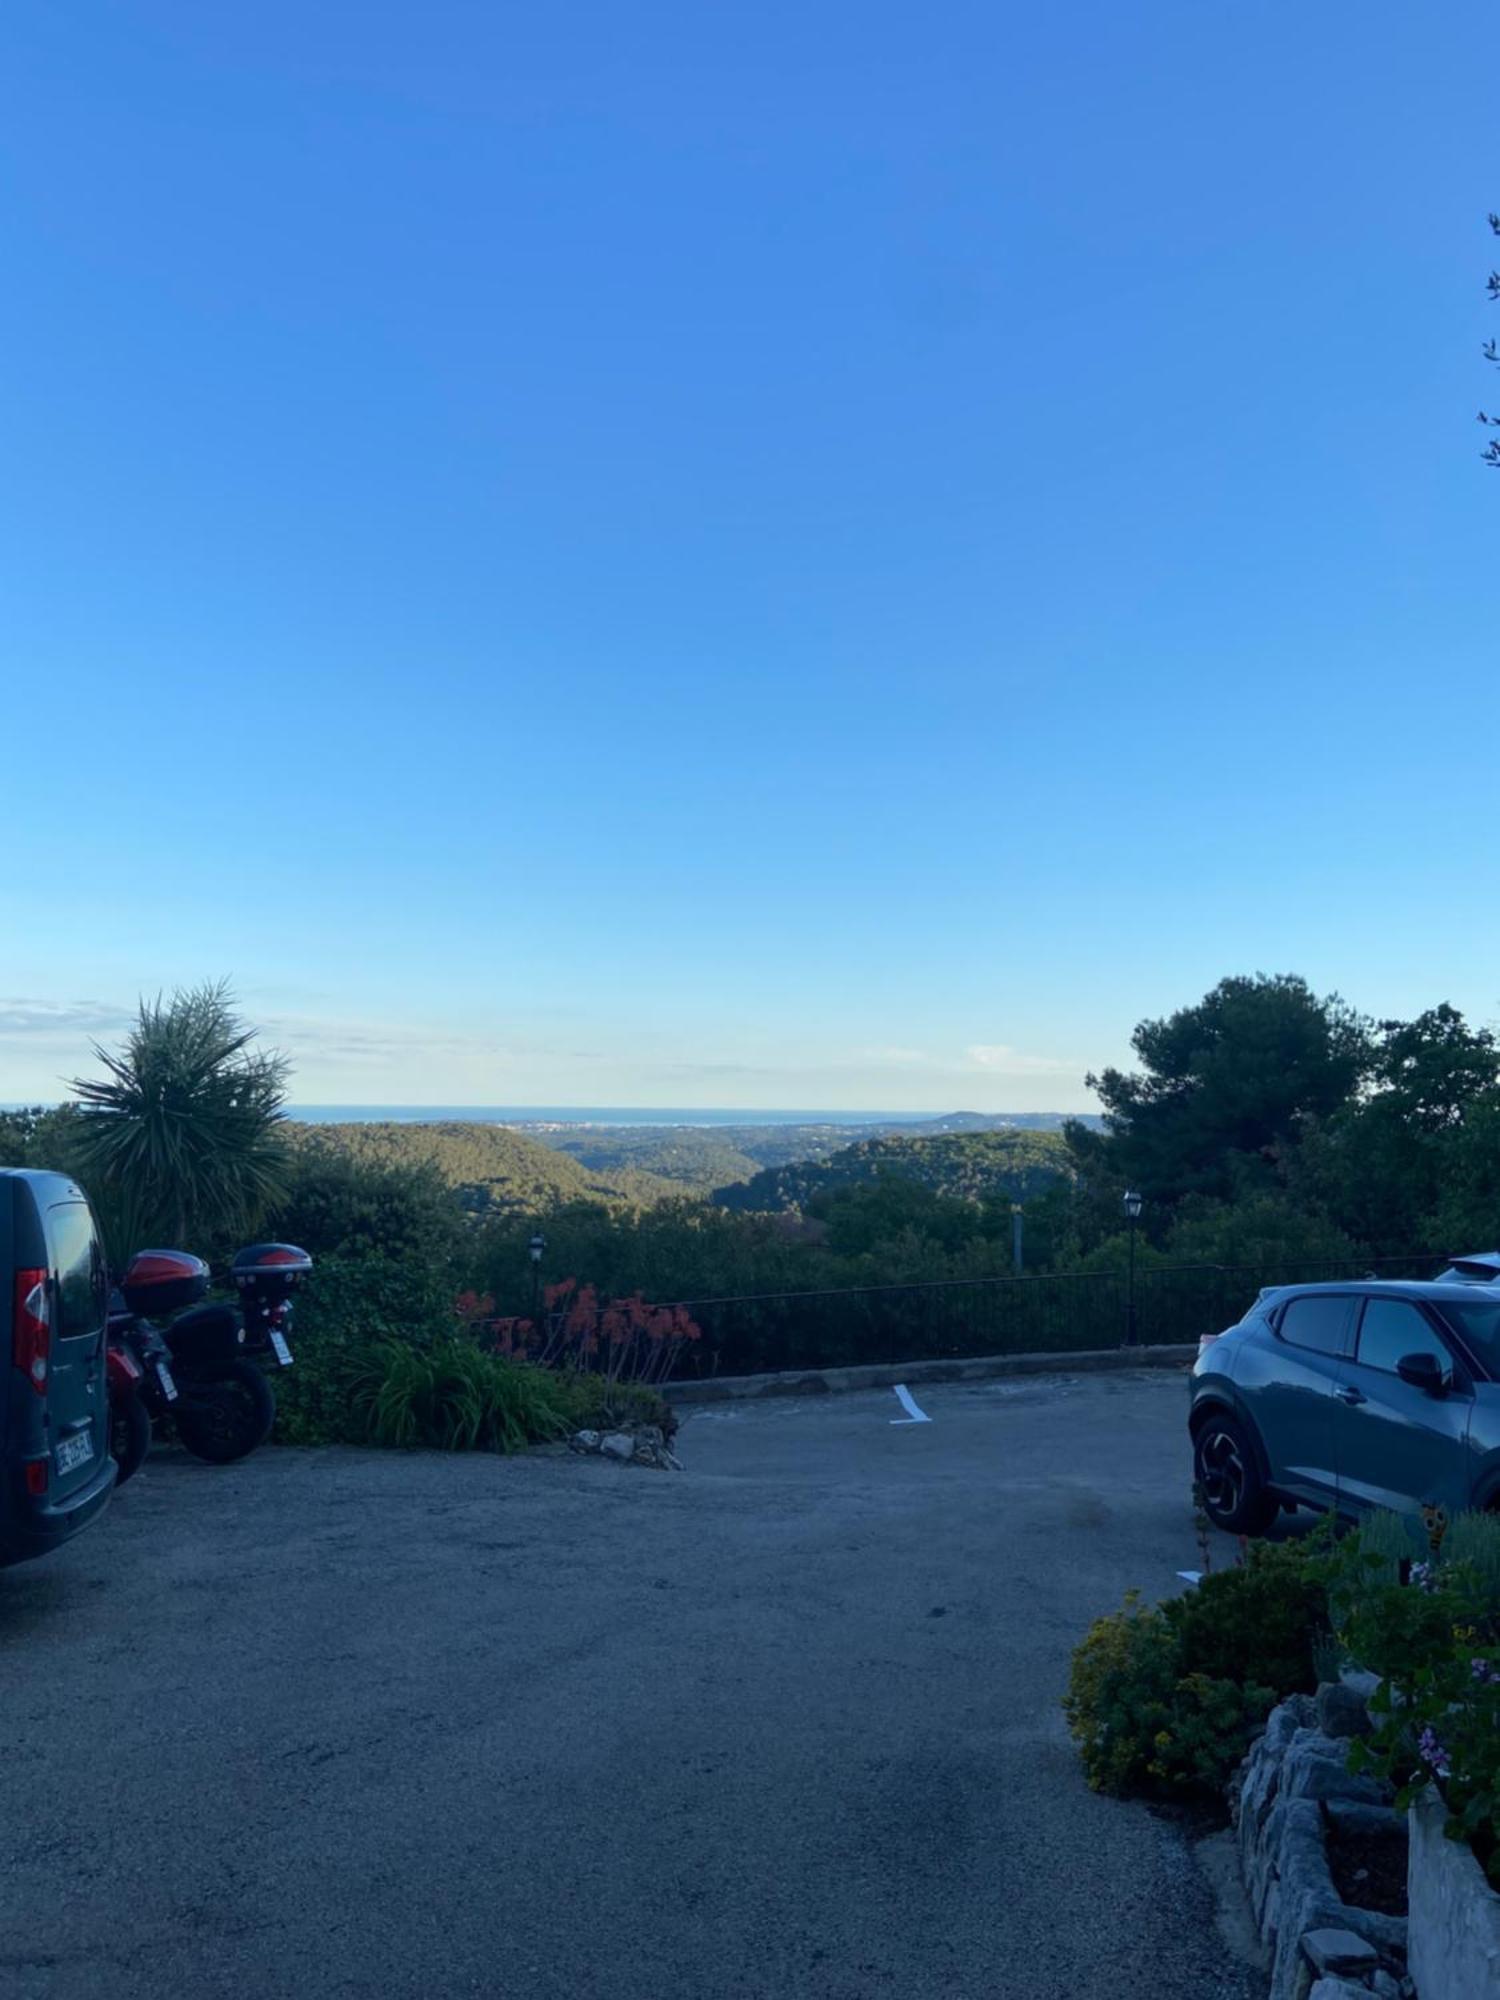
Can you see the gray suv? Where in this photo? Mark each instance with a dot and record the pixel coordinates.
(1350, 1397)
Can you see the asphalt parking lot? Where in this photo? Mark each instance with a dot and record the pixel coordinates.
(784, 1724)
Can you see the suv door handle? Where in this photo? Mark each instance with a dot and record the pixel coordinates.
(1349, 1394)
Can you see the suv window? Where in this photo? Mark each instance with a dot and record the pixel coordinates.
(1479, 1324)
(82, 1293)
(1390, 1329)
(1316, 1322)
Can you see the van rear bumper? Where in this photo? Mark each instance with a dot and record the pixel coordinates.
(33, 1529)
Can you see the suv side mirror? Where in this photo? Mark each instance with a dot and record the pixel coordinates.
(1424, 1371)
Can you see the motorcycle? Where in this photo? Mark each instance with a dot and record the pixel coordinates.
(132, 1355)
(199, 1369)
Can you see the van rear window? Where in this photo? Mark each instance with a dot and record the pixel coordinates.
(82, 1292)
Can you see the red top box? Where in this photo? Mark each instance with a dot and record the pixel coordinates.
(163, 1281)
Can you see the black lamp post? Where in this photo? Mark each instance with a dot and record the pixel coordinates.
(1133, 1216)
(1016, 1213)
(535, 1248)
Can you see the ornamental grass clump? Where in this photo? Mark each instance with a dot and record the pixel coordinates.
(452, 1396)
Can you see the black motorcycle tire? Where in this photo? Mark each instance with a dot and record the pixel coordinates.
(224, 1416)
(129, 1436)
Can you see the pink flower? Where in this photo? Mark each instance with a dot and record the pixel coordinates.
(1432, 1753)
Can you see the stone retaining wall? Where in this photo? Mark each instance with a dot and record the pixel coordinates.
(1292, 1787)
(1291, 1791)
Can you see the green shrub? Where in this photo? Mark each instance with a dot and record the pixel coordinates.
(592, 1403)
(1208, 1733)
(1141, 1723)
(352, 1306)
(1119, 1695)
(371, 1320)
(338, 1206)
(452, 1396)
(1257, 1623)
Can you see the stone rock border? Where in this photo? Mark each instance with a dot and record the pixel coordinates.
(646, 1444)
(1292, 1787)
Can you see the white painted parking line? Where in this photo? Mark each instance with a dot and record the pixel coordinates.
(914, 1415)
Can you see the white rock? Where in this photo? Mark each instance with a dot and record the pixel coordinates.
(584, 1441)
(618, 1444)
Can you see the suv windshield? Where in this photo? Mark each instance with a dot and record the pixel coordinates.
(1479, 1324)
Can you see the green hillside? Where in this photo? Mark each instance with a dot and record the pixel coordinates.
(972, 1166)
(696, 1159)
(493, 1169)
(699, 1159)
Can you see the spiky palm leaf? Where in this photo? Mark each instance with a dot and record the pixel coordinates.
(179, 1141)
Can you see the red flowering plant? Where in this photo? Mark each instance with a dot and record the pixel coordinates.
(626, 1340)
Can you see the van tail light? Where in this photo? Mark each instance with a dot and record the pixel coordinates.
(32, 1344)
(36, 1478)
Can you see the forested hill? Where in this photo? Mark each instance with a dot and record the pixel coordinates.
(702, 1158)
(973, 1166)
(492, 1168)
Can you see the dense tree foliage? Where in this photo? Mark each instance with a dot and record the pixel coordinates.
(700, 1159)
(971, 1166)
(1264, 1102)
(340, 1206)
(491, 1168)
(693, 1158)
(1224, 1087)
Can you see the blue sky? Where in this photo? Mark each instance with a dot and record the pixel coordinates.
(815, 554)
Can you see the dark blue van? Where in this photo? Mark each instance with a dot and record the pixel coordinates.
(56, 1473)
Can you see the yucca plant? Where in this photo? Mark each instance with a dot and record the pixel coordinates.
(179, 1142)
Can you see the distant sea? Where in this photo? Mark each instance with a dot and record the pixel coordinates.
(585, 1114)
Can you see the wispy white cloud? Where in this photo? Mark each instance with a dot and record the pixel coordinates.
(1001, 1060)
(62, 1017)
(375, 1044)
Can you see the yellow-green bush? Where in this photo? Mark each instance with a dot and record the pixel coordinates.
(1141, 1724)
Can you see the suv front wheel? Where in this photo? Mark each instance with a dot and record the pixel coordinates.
(1227, 1472)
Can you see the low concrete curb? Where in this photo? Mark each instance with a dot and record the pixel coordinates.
(1455, 1914)
(885, 1375)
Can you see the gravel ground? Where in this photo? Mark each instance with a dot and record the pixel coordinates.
(783, 1726)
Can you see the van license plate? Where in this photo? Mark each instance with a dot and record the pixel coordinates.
(74, 1451)
(164, 1379)
(283, 1352)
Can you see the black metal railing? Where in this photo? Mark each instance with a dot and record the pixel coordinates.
(1051, 1313)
